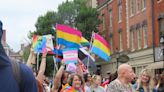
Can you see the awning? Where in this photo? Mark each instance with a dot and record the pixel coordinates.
(156, 65)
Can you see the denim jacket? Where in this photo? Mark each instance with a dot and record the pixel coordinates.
(141, 89)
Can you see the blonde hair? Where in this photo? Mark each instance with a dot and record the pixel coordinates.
(94, 77)
(139, 82)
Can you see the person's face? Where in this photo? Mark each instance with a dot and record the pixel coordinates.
(98, 80)
(144, 77)
(155, 81)
(130, 75)
(89, 77)
(65, 78)
(76, 82)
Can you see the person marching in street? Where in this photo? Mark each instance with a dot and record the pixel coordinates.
(143, 82)
(96, 85)
(123, 82)
(15, 76)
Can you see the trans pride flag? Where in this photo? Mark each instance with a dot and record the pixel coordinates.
(68, 36)
(100, 47)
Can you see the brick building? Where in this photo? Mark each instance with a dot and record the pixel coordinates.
(132, 27)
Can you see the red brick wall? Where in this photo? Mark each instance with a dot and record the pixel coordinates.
(100, 2)
(138, 17)
(116, 25)
(158, 8)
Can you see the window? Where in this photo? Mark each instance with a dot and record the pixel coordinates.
(111, 43)
(137, 5)
(143, 4)
(139, 69)
(139, 38)
(132, 40)
(161, 27)
(131, 7)
(120, 12)
(110, 19)
(103, 18)
(121, 47)
(145, 35)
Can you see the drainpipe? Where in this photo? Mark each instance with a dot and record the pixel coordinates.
(153, 31)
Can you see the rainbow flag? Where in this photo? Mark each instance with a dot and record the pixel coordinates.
(68, 36)
(68, 88)
(84, 42)
(39, 44)
(100, 47)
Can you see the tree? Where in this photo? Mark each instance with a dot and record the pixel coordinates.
(66, 13)
(77, 14)
(73, 13)
(44, 24)
(87, 21)
(26, 53)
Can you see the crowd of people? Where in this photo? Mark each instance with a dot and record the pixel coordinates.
(31, 80)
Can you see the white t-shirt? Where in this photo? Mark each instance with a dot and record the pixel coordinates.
(87, 88)
(97, 89)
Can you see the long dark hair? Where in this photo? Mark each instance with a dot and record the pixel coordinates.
(85, 76)
(62, 78)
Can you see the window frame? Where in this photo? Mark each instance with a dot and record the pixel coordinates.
(145, 36)
(121, 40)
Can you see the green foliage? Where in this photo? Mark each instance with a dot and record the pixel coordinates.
(66, 13)
(87, 21)
(49, 66)
(26, 53)
(73, 13)
(44, 24)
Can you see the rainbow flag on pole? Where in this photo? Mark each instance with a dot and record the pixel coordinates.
(68, 36)
(100, 47)
(84, 42)
(39, 44)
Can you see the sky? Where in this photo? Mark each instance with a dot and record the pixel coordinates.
(20, 16)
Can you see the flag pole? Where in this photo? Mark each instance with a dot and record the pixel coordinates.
(90, 49)
(57, 51)
(55, 65)
(37, 62)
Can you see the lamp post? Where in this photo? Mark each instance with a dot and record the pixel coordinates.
(162, 48)
(117, 57)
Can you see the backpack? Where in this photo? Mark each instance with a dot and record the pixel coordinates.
(16, 71)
